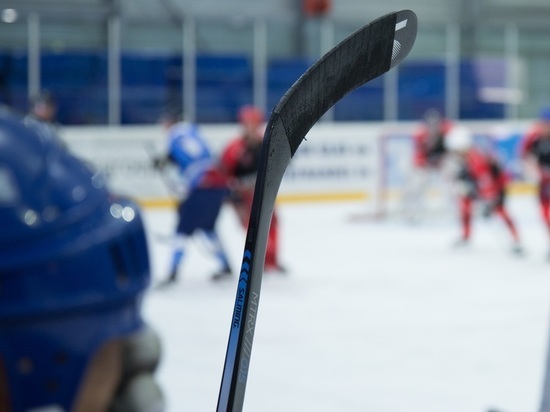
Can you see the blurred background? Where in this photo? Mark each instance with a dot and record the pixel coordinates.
(113, 65)
(112, 62)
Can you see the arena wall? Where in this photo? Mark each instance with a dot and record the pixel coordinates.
(337, 161)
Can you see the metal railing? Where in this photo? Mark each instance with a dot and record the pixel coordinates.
(525, 59)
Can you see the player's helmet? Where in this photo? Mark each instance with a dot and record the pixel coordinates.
(250, 115)
(433, 116)
(433, 119)
(544, 114)
(73, 269)
(45, 97)
(171, 113)
(459, 139)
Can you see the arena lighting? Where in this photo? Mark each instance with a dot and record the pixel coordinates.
(9, 15)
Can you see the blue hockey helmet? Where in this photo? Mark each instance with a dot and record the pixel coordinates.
(73, 269)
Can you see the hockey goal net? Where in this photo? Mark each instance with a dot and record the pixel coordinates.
(404, 191)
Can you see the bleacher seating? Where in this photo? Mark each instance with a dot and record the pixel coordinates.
(225, 82)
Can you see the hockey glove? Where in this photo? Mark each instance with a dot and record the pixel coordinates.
(160, 163)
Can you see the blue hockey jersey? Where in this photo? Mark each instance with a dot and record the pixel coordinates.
(190, 152)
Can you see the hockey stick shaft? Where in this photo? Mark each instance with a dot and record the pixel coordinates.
(149, 148)
(363, 56)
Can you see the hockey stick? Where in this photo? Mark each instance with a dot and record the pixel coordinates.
(363, 56)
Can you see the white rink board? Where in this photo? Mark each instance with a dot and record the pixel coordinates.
(125, 153)
(337, 160)
(334, 158)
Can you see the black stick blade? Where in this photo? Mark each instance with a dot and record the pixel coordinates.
(364, 55)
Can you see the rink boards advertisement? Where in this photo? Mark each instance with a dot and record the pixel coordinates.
(336, 161)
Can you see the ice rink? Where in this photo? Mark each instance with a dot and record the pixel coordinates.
(378, 316)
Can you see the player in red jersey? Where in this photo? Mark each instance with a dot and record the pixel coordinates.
(479, 177)
(429, 140)
(240, 160)
(535, 151)
(428, 160)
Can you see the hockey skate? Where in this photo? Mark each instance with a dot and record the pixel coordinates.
(169, 281)
(276, 269)
(517, 249)
(222, 274)
(460, 243)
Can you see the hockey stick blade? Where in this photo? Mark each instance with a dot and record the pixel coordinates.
(363, 56)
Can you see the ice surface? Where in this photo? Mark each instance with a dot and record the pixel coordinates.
(373, 316)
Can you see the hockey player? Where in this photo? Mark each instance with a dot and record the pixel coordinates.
(44, 107)
(535, 151)
(428, 158)
(429, 140)
(73, 272)
(42, 113)
(240, 162)
(481, 178)
(200, 186)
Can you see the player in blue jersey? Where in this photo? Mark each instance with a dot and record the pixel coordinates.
(73, 271)
(200, 186)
